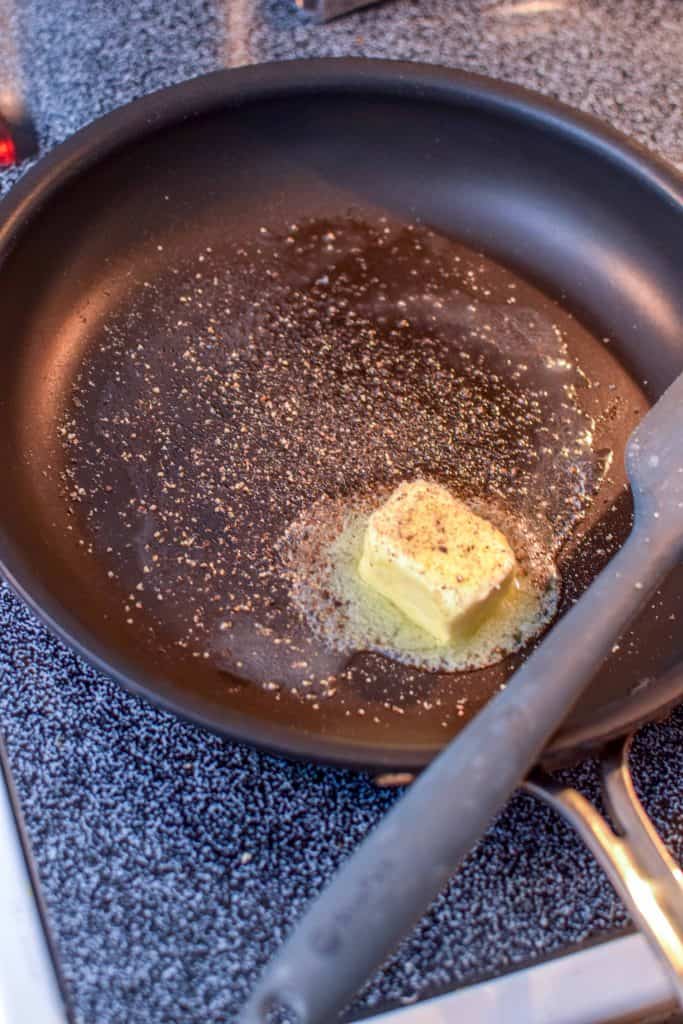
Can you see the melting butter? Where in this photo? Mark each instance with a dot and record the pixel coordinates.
(322, 551)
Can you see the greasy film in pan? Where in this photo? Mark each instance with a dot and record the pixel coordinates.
(257, 399)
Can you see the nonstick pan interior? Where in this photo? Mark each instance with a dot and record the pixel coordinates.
(205, 168)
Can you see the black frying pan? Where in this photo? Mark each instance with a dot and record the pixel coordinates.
(584, 218)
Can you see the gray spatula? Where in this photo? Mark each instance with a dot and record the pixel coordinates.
(382, 889)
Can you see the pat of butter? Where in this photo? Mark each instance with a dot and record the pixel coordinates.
(443, 566)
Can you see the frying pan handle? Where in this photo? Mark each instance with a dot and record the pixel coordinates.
(643, 872)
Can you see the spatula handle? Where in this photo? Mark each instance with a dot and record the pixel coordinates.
(387, 883)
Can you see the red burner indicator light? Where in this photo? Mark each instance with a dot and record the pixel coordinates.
(18, 139)
(8, 151)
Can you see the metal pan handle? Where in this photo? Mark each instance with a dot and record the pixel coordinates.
(326, 10)
(639, 866)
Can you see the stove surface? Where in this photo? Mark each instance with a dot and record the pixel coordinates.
(173, 863)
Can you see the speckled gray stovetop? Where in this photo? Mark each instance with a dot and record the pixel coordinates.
(174, 863)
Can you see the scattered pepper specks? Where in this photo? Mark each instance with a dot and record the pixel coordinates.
(333, 360)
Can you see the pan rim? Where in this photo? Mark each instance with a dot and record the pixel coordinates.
(243, 86)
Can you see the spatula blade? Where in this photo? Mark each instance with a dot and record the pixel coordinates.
(654, 456)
